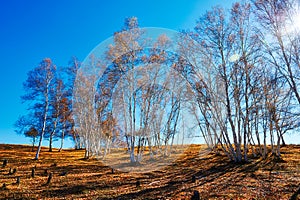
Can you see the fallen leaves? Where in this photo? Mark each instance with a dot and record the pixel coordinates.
(216, 177)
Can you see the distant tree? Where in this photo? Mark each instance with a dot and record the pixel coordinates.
(32, 133)
(56, 109)
(26, 125)
(67, 119)
(85, 117)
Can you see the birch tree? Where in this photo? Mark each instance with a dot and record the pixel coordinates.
(279, 20)
(37, 87)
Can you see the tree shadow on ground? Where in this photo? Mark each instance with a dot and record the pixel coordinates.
(214, 177)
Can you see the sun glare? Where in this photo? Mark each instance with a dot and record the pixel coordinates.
(292, 23)
(297, 22)
(296, 19)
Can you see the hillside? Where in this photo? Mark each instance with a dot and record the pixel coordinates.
(215, 177)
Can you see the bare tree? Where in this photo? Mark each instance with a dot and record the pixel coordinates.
(281, 38)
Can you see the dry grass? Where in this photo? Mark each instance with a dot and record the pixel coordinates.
(216, 178)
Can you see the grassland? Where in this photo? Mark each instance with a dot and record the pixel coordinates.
(215, 177)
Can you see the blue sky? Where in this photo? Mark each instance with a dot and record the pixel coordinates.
(32, 30)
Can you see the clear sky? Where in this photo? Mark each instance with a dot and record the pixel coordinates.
(59, 29)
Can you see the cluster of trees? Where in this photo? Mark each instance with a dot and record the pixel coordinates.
(249, 60)
(234, 80)
(139, 94)
(49, 99)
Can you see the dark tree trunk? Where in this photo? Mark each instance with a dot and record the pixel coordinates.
(50, 142)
